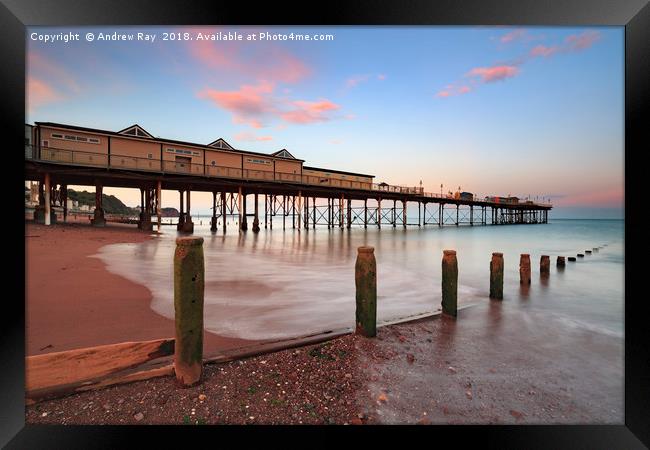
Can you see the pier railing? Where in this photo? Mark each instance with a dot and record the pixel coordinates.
(126, 162)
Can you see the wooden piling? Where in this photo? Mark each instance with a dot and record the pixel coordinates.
(560, 261)
(365, 278)
(496, 276)
(545, 265)
(189, 283)
(571, 258)
(524, 269)
(449, 283)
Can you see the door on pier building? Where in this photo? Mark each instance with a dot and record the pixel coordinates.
(183, 163)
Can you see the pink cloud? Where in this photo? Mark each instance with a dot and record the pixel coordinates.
(451, 90)
(604, 199)
(254, 104)
(582, 41)
(514, 35)
(494, 73)
(356, 80)
(40, 93)
(262, 61)
(542, 50)
(44, 68)
(381, 76)
(309, 112)
(248, 104)
(247, 136)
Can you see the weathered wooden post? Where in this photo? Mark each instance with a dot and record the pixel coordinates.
(496, 276)
(545, 265)
(365, 278)
(449, 283)
(189, 282)
(524, 269)
(560, 261)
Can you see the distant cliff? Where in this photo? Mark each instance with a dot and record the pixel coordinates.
(169, 212)
(111, 204)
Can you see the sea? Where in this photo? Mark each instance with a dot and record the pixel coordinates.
(286, 283)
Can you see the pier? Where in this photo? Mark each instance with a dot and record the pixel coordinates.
(305, 197)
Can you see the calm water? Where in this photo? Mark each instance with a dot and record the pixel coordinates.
(287, 283)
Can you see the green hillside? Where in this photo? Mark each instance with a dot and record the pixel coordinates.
(111, 204)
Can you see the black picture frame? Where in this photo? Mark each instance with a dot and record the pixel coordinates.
(15, 15)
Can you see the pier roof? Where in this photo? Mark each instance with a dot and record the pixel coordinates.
(338, 171)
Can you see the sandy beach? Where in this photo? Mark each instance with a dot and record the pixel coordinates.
(72, 301)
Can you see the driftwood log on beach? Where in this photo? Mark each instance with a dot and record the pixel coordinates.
(80, 369)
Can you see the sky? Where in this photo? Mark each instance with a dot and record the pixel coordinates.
(531, 111)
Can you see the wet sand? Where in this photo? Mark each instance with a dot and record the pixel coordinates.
(432, 371)
(72, 301)
(490, 367)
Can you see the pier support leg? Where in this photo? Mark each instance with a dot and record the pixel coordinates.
(394, 213)
(145, 215)
(189, 283)
(188, 225)
(441, 212)
(299, 218)
(39, 211)
(365, 213)
(545, 265)
(349, 214)
(64, 199)
(47, 218)
(306, 213)
(449, 283)
(496, 276)
(256, 220)
(471, 215)
(213, 221)
(284, 211)
(379, 213)
(457, 206)
(524, 269)
(293, 211)
(341, 203)
(419, 216)
(404, 213)
(181, 214)
(159, 204)
(98, 216)
(224, 208)
(243, 224)
(365, 278)
(266, 210)
(314, 211)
